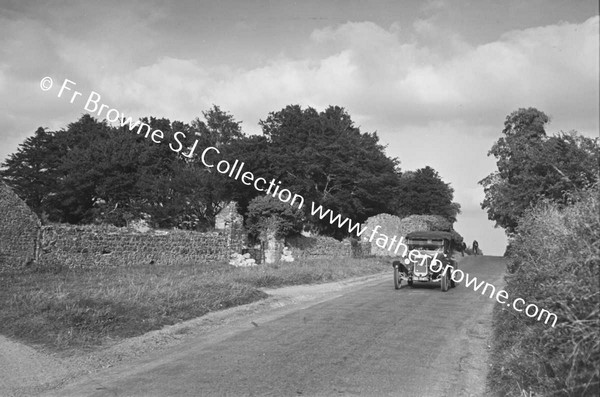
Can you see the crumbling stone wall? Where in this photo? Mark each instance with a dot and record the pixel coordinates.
(273, 246)
(19, 230)
(23, 240)
(326, 247)
(229, 221)
(106, 245)
(94, 245)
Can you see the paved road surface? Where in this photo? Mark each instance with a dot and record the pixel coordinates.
(371, 341)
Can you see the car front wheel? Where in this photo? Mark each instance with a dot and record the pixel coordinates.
(397, 281)
(444, 283)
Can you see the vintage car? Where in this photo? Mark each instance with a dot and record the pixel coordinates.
(423, 248)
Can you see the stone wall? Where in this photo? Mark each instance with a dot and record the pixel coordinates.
(19, 230)
(326, 247)
(230, 222)
(23, 240)
(93, 245)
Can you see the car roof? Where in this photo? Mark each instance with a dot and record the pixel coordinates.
(429, 235)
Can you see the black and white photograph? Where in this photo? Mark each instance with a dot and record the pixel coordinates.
(300, 198)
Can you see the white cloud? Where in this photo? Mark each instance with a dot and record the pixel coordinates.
(380, 74)
(383, 75)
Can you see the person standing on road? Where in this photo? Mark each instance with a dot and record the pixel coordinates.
(475, 247)
(463, 247)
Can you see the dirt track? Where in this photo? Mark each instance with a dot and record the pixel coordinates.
(361, 339)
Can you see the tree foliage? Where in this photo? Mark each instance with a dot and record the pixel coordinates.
(33, 170)
(326, 159)
(422, 192)
(264, 211)
(209, 191)
(94, 172)
(41, 170)
(532, 166)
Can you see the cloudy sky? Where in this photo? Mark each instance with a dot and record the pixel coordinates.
(435, 79)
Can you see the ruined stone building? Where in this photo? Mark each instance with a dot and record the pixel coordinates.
(19, 230)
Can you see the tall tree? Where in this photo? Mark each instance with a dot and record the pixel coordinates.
(326, 159)
(423, 192)
(39, 171)
(253, 152)
(218, 128)
(212, 190)
(92, 172)
(532, 166)
(32, 170)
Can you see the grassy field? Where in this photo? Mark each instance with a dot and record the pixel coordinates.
(63, 309)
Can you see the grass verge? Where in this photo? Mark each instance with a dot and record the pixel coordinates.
(63, 308)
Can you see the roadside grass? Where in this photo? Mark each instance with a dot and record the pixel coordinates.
(310, 271)
(555, 264)
(68, 309)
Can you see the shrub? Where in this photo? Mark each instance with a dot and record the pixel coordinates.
(554, 262)
(267, 212)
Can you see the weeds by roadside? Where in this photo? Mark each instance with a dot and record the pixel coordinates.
(62, 308)
(554, 263)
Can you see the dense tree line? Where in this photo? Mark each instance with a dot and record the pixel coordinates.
(95, 172)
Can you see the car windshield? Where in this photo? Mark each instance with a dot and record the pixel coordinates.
(429, 248)
(426, 245)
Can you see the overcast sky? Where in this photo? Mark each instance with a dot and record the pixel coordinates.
(435, 79)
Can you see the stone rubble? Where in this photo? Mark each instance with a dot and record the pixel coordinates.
(286, 255)
(239, 260)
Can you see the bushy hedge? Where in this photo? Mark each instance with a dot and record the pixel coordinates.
(266, 212)
(392, 225)
(554, 263)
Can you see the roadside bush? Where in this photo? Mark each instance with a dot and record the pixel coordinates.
(554, 262)
(266, 212)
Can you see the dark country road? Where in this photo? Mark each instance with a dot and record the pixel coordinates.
(370, 340)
